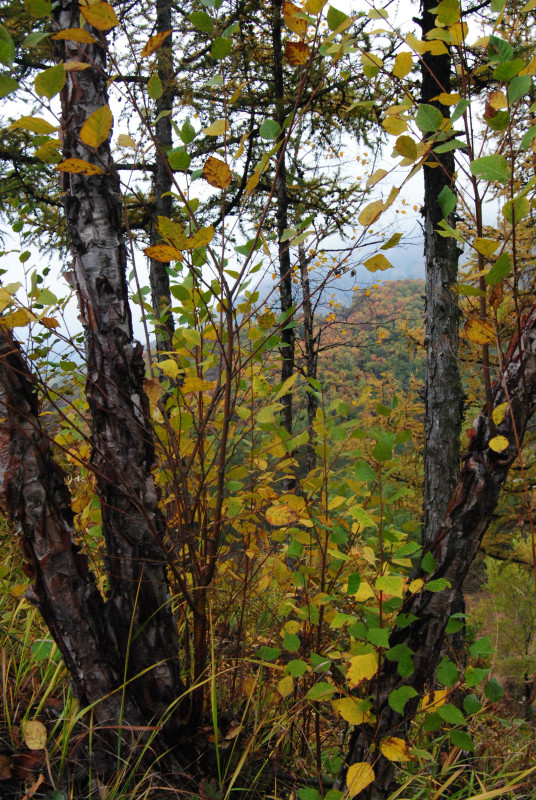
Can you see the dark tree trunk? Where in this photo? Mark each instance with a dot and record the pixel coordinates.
(285, 272)
(162, 182)
(311, 360)
(444, 393)
(454, 546)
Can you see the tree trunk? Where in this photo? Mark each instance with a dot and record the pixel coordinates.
(454, 546)
(162, 181)
(311, 360)
(285, 272)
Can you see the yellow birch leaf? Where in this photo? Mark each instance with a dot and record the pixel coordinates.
(49, 322)
(97, 126)
(172, 232)
(34, 735)
(498, 413)
(252, 182)
(217, 173)
(285, 686)
(377, 262)
(154, 43)
(200, 238)
(123, 140)
(364, 592)
(361, 668)
(293, 23)
(403, 64)
(79, 166)
(395, 749)
(416, 44)
(297, 53)
(376, 177)
(448, 98)
(498, 443)
(18, 319)
(248, 686)
(433, 700)
(193, 384)
(75, 66)
(169, 367)
(217, 128)
(75, 35)
(163, 253)
(358, 777)
(479, 331)
(100, 16)
(350, 710)
(416, 586)
(459, 32)
(33, 125)
(485, 246)
(371, 213)
(281, 515)
(497, 100)
(314, 6)
(436, 48)
(394, 125)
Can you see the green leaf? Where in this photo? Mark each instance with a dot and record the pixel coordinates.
(471, 704)
(179, 159)
(428, 563)
(429, 118)
(34, 38)
(447, 672)
(528, 138)
(432, 722)
(364, 472)
(296, 668)
(459, 110)
(321, 691)
(202, 21)
(515, 210)
(228, 32)
(405, 620)
(447, 201)
(7, 85)
(399, 697)
(493, 690)
(7, 48)
(270, 129)
(507, 70)
(308, 794)
(51, 81)
(38, 8)
(187, 132)
(399, 652)
(383, 450)
(455, 624)
(449, 713)
(499, 50)
(438, 585)
(452, 144)
(291, 642)
(268, 653)
(500, 270)
(354, 581)
(379, 637)
(491, 168)
(499, 122)
(221, 48)
(519, 87)
(462, 740)
(482, 647)
(474, 676)
(335, 18)
(154, 87)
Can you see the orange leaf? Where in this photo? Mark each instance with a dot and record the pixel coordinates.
(163, 253)
(79, 166)
(154, 43)
(297, 53)
(292, 22)
(217, 173)
(479, 331)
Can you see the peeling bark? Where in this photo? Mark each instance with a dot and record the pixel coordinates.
(454, 546)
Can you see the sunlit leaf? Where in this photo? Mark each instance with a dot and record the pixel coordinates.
(100, 15)
(217, 128)
(479, 331)
(97, 127)
(371, 213)
(377, 262)
(499, 443)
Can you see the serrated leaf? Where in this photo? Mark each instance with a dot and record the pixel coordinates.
(449, 713)
(485, 246)
(217, 173)
(361, 668)
(406, 147)
(221, 48)
(516, 209)
(97, 126)
(352, 710)
(320, 691)
(395, 749)
(100, 16)
(217, 128)
(471, 704)
(462, 740)
(358, 777)
(79, 166)
(285, 686)
(493, 690)
(491, 168)
(399, 697)
(154, 43)
(187, 132)
(179, 159)
(294, 23)
(518, 88)
(447, 672)
(297, 53)
(51, 81)
(200, 238)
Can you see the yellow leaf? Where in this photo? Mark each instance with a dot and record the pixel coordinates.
(97, 126)
(479, 331)
(499, 443)
(416, 586)
(76, 66)
(350, 709)
(18, 590)
(218, 128)
(153, 387)
(75, 35)
(364, 592)
(499, 412)
(32, 124)
(395, 749)
(361, 668)
(459, 32)
(252, 182)
(497, 100)
(193, 384)
(123, 140)
(172, 232)
(293, 23)
(281, 515)
(433, 700)
(394, 125)
(217, 173)
(358, 777)
(376, 177)
(403, 64)
(529, 6)
(285, 686)
(297, 53)
(49, 322)
(248, 686)
(18, 319)
(163, 253)
(202, 237)
(100, 15)
(79, 166)
(154, 43)
(169, 367)
(377, 262)
(34, 735)
(448, 99)
(483, 42)
(314, 6)
(485, 246)
(371, 213)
